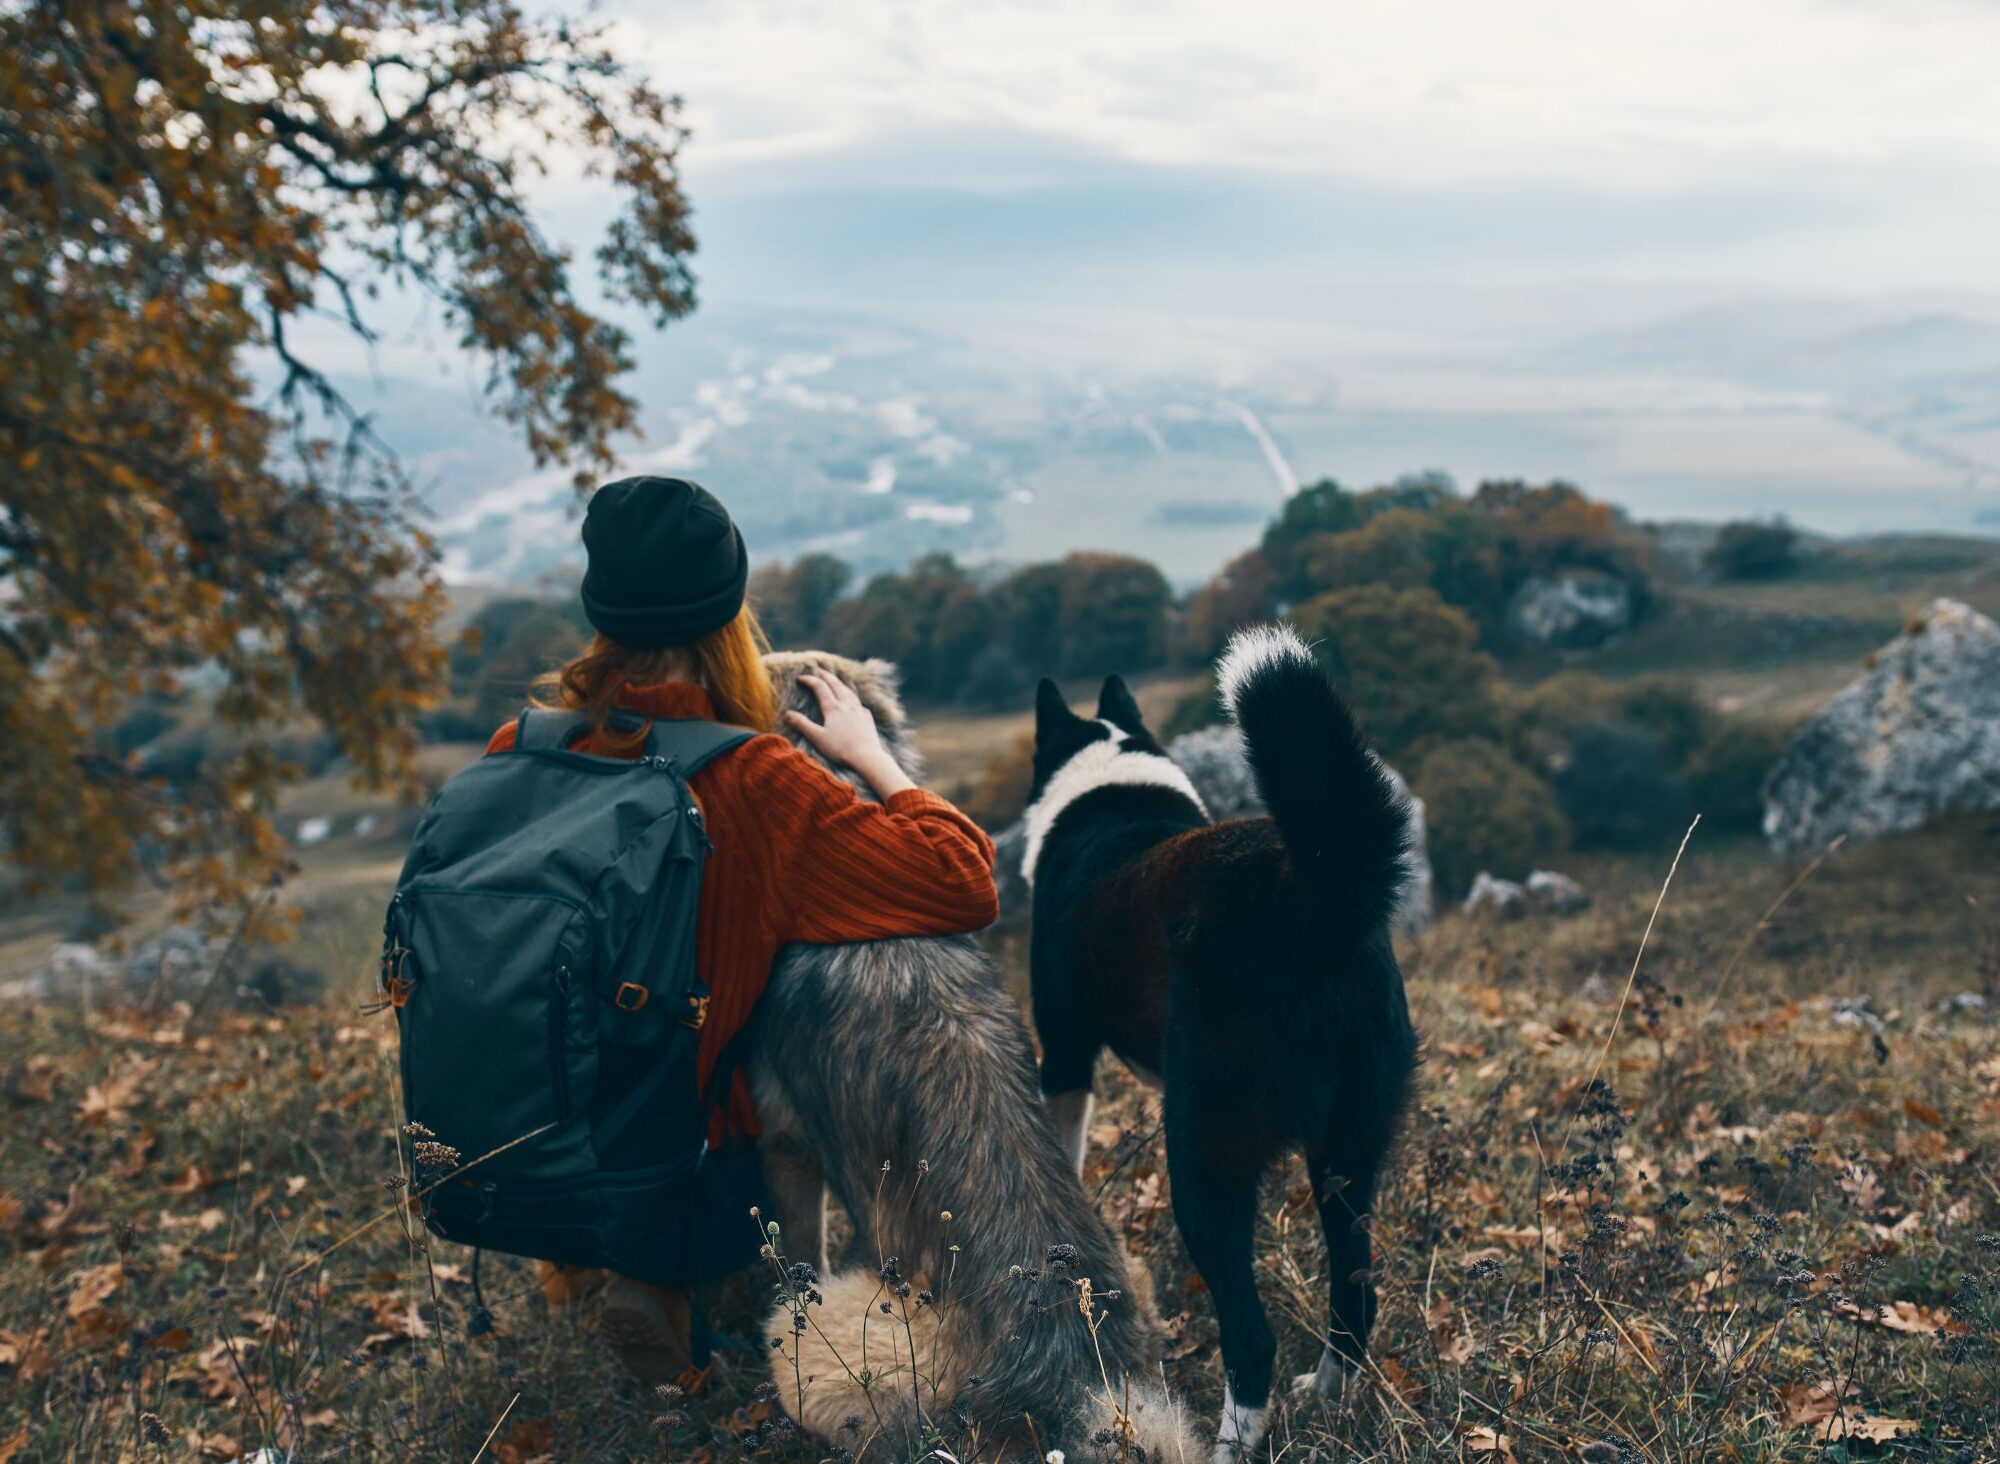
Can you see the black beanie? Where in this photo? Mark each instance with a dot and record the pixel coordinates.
(665, 566)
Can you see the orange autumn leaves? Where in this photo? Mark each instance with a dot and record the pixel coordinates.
(190, 501)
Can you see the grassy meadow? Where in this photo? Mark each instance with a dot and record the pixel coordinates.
(1708, 1172)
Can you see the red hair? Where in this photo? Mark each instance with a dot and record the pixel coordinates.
(729, 662)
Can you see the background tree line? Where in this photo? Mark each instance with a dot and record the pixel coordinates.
(1404, 592)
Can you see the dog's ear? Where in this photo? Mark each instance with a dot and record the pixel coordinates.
(1115, 705)
(1051, 711)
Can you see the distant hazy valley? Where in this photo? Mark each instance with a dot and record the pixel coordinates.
(1018, 439)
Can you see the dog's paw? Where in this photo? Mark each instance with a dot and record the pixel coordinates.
(1239, 1432)
(1328, 1380)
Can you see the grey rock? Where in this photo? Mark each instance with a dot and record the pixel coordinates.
(1557, 893)
(1215, 763)
(1858, 1011)
(1917, 735)
(1503, 897)
(1575, 610)
(175, 965)
(1010, 847)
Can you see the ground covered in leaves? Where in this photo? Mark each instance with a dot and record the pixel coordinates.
(1743, 1205)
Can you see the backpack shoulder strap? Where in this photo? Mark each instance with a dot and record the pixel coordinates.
(691, 745)
(540, 730)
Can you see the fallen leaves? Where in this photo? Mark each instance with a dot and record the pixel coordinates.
(1907, 1317)
(221, 1368)
(33, 1081)
(91, 1288)
(396, 1319)
(1829, 1409)
(1923, 1113)
(28, 1353)
(104, 1103)
(527, 1442)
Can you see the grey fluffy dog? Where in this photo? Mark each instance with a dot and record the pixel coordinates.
(898, 1075)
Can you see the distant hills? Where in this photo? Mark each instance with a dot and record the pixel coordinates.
(881, 440)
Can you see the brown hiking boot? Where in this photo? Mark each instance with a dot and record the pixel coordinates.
(651, 1328)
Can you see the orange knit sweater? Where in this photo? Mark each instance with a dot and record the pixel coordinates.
(800, 857)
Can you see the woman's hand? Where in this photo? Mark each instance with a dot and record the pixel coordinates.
(846, 734)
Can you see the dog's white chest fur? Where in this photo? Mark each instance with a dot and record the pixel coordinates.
(1106, 764)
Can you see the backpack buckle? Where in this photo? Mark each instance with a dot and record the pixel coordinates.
(630, 996)
(395, 984)
(699, 1013)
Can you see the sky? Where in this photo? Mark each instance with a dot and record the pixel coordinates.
(1706, 258)
(1158, 152)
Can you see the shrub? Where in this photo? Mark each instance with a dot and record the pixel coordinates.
(1000, 795)
(1747, 549)
(1484, 810)
(1548, 713)
(455, 721)
(1726, 773)
(1447, 546)
(1200, 708)
(1112, 615)
(1244, 592)
(995, 681)
(1408, 663)
(1551, 712)
(793, 600)
(1671, 709)
(1392, 549)
(1618, 789)
(534, 639)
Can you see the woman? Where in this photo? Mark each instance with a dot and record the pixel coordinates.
(799, 856)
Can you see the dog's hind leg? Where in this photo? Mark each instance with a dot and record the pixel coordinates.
(1070, 1112)
(1068, 1065)
(1346, 1195)
(1215, 1206)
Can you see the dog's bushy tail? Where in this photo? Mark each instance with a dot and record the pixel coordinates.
(1342, 818)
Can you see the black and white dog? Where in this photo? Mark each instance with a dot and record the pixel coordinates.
(1245, 966)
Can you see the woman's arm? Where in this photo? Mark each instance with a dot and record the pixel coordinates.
(851, 870)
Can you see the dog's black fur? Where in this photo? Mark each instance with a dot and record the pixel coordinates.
(1247, 964)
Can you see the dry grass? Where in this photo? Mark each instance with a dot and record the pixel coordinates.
(1766, 1231)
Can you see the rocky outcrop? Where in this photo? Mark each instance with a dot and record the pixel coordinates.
(176, 965)
(1917, 735)
(1214, 761)
(1577, 609)
(1501, 897)
(1557, 893)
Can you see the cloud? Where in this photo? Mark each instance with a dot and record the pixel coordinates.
(1426, 90)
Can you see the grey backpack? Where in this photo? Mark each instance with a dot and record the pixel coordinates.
(540, 956)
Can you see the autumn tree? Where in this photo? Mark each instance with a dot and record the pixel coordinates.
(793, 599)
(1409, 663)
(186, 489)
